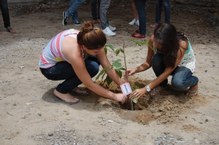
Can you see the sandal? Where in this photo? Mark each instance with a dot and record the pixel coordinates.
(9, 29)
(192, 93)
(138, 35)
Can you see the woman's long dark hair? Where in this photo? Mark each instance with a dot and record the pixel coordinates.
(166, 35)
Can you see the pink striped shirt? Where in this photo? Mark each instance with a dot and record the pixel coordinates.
(52, 53)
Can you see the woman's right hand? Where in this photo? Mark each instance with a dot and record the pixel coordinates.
(121, 97)
(130, 72)
(138, 93)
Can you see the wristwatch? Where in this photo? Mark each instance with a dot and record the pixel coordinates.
(148, 89)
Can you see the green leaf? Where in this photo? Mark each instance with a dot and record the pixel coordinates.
(121, 50)
(117, 64)
(109, 47)
(117, 51)
(101, 73)
(123, 68)
(119, 72)
(108, 80)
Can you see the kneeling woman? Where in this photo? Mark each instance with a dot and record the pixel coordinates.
(74, 56)
(169, 53)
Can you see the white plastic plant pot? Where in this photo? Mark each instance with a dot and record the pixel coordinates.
(126, 88)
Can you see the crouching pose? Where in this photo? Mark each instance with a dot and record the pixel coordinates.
(169, 53)
(74, 56)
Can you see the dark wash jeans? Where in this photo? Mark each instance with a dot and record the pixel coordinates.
(163, 4)
(182, 78)
(95, 9)
(140, 6)
(72, 10)
(64, 71)
(5, 12)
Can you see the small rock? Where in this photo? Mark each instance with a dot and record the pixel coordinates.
(50, 134)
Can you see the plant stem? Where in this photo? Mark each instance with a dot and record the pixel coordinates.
(126, 75)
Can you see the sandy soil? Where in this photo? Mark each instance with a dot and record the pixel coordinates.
(31, 115)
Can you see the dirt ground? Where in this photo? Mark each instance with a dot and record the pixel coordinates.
(31, 115)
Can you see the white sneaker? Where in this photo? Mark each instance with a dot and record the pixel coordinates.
(108, 32)
(132, 22)
(112, 28)
(137, 23)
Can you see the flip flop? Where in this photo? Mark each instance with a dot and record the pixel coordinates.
(10, 30)
(138, 35)
(192, 93)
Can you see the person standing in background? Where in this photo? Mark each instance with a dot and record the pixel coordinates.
(159, 5)
(95, 10)
(141, 32)
(72, 12)
(134, 21)
(5, 15)
(106, 27)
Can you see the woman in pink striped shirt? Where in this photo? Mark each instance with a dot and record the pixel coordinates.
(74, 56)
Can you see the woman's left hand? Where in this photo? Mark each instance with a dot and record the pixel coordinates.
(138, 93)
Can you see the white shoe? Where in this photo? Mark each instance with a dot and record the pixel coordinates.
(132, 22)
(137, 23)
(108, 32)
(112, 28)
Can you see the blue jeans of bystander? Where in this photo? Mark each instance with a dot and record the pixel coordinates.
(167, 9)
(5, 12)
(72, 10)
(140, 6)
(95, 9)
(104, 5)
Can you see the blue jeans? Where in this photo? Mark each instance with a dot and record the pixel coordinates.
(72, 10)
(104, 5)
(159, 5)
(182, 78)
(140, 6)
(5, 12)
(64, 71)
(95, 9)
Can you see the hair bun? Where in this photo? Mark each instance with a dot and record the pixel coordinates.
(87, 27)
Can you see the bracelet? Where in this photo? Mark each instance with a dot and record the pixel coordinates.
(148, 89)
(108, 68)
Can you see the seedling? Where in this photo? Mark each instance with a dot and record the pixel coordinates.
(116, 64)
